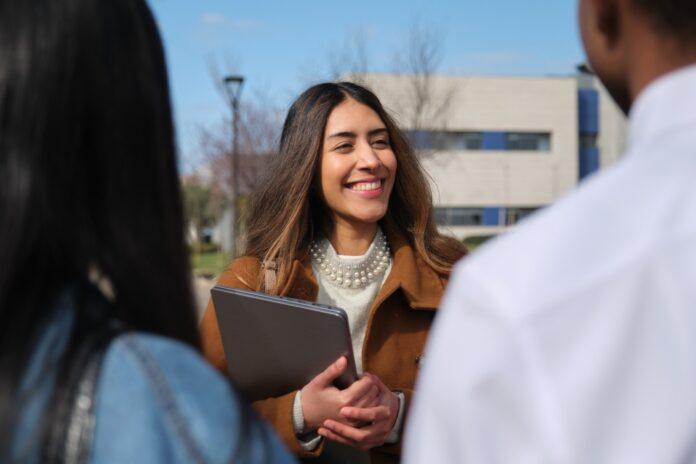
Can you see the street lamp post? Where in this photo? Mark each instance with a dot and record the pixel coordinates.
(233, 88)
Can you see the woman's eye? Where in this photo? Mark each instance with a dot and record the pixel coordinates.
(344, 147)
(381, 143)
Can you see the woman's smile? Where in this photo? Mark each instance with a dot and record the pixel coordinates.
(367, 188)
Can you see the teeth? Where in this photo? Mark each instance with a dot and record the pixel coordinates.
(363, 186)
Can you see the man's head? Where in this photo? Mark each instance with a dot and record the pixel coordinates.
(629, 43)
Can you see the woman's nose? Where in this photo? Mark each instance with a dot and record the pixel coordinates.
(367, 158)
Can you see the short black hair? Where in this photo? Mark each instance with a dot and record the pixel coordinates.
(676, 18)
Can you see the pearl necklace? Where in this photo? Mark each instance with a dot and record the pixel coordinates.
(347, 275)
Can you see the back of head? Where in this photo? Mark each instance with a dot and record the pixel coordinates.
(630, 43)
(672, 17)
(88, 175)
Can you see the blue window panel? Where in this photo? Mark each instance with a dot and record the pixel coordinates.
(493, 141)
(589, 161)
(493, 216)
(588, 111)
(419, 138)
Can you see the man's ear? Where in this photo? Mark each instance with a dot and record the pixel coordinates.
(608, 20)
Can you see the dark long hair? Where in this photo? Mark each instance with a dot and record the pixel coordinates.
(88, 175)
(287, 213)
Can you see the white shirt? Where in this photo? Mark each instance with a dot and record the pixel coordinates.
(573, 338)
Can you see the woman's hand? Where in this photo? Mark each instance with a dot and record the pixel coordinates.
(321, 400)
(380, 421)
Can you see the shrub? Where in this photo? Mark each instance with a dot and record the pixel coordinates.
(475, 241)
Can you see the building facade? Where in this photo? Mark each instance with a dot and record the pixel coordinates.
(499, 148)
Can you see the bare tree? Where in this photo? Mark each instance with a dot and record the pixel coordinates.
(423, 98)
(230, 65)
(259, 129)
(203, 203)
(350, 59)
(427, 98)
(259, 133)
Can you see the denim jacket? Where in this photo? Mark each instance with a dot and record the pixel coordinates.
(157, 401)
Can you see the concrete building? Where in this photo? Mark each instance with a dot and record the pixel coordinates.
(499, 148)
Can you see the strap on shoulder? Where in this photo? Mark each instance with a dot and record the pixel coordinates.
(70, 436)
(269, 274)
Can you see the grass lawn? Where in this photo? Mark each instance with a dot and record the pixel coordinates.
(209, 264)
(473, 242)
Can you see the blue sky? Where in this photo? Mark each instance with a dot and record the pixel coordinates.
(282, 46)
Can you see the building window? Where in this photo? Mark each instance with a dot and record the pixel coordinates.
(588, 141)
(459, 216)
(515, 215)
(472, 141)
(527, 141)
(445, 140)
(456, 140)
(492, 216)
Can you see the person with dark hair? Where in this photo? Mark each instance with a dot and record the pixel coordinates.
(571, 339)
(344, 217)
(98, 342)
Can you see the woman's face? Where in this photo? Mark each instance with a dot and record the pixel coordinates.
(357, 164)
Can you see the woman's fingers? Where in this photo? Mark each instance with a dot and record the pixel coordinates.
(351, 433)
(331, 373)
(365, 414)
(326, 433)
(356, 391)
(369, 399)
(378, 382)
(363, 438)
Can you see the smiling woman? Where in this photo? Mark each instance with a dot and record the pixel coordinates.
(345, 218)
(357, 173)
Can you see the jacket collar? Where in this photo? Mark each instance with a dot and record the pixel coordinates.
(420, 284)
(301, 284)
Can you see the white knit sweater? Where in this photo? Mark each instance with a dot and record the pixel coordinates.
(356, 302)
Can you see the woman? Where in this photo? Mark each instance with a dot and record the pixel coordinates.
(344, 218)
(98, 357)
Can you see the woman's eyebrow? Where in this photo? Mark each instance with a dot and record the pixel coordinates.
(342, 134)
(353, 135)
(381, 130)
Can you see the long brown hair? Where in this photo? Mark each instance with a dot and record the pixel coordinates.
(286, 213)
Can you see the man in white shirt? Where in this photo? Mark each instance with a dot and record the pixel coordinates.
(573, 338)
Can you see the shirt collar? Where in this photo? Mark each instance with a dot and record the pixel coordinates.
(667, 104)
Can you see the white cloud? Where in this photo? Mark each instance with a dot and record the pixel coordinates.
(215, 20)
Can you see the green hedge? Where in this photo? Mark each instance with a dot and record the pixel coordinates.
(204, 248)
(475, 241)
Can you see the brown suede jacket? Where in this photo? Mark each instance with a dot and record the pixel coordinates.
(396, 333)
